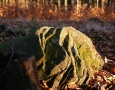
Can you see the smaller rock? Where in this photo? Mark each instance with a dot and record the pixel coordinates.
(4, 28)
(21, 73)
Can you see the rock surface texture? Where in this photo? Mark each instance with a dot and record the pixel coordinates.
(68, 57)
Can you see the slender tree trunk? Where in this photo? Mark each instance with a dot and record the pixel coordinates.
(97, 4)
(25, 4)
(82, 2)
(8, 1)
(59, 3)
(16, 8)
(4, 2)
(66, 3)
(102, 4)
(108, 3)
(40, 2)
(1, 3)
(78, 2)
(88, 3)
(72, 3)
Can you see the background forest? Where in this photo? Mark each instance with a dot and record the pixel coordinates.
(57, 9)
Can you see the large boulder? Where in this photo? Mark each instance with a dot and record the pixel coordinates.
(63, 55)
(68, 56)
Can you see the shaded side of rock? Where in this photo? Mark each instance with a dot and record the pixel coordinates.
(21, 74)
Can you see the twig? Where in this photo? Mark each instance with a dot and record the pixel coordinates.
(13, 33)
(8, 62)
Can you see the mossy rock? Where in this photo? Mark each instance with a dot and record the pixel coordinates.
(66, 50)
(28, 44)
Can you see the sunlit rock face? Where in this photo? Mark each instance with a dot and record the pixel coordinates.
(68, 55)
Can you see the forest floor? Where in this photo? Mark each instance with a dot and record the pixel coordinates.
(101, 33)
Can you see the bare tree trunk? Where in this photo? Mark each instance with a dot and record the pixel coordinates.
(4, 2)
(8, 1)
(108, 3)
(88, 3)
(97, 4)
(43, 2)
(39, 2)
(71, 6)
(102, 4)
(66, 3)
(1, 3)
(78, 2)
(16, 8)
(59, 3)
(82, 2)
(72, 3)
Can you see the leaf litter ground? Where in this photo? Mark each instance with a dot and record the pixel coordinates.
(102, 35)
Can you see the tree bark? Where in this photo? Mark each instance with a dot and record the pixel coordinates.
(102, 4)
(59, 3)
(66, 4)
(88, 3)
(97, 4)
(16, 8)
(1, 3)
(72, 3)
(78, 2)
